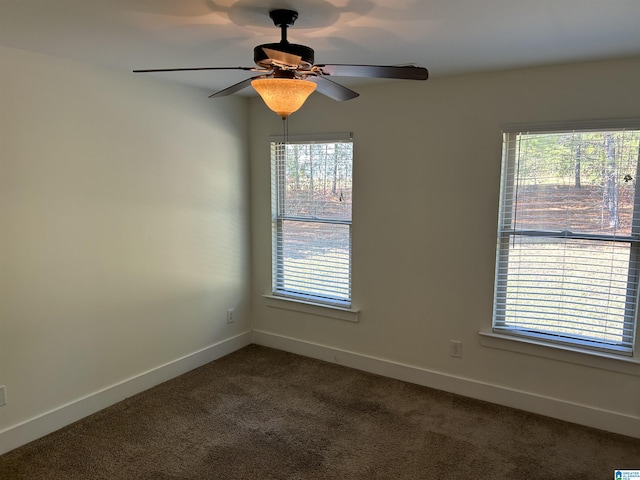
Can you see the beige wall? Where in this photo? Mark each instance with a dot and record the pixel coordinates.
(426, 173)
(124, 223)
(124, 236)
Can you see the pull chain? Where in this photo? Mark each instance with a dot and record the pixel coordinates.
(285, 131)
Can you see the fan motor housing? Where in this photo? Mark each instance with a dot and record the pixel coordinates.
(306, 54)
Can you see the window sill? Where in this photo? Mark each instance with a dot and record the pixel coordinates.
(604, 361)
(339, 313)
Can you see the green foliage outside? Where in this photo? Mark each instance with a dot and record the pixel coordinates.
(554, 278)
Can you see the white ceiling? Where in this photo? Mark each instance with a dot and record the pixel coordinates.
(446, 36)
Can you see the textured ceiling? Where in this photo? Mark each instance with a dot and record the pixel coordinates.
(446, 36)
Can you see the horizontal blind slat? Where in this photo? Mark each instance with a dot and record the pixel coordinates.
(568, 233)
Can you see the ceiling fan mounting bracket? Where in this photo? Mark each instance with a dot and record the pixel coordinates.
(283, 18)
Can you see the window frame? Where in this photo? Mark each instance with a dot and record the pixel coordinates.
(506, 231)
(298, 300)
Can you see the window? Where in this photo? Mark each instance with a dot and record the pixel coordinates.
(569, 236)
(311, 181)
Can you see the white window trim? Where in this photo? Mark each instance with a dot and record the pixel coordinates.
(563, 353)
(314, 138)
(557, 351)
(318, 309)
(568, 126)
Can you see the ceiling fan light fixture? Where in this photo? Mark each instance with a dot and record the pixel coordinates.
(284, 88)
(283, 95)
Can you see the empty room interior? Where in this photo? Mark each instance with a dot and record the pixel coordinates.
(147, 230)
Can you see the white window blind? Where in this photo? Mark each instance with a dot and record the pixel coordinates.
(568, 236)
(311, 218)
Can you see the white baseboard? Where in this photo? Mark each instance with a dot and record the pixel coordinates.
(42, 425)
(551, 407)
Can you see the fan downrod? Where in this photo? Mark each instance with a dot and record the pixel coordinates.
(284, 19)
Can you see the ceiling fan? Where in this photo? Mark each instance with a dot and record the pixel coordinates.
(288, 74)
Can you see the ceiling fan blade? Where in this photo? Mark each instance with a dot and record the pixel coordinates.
(192, 69)
(332, 89)
(374, 71)
(235, 88)
(282, 58)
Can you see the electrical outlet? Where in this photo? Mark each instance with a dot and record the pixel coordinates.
(3, 396)
(230, 314)
(455, 348)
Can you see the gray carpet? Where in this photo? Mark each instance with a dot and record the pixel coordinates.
(264, 414)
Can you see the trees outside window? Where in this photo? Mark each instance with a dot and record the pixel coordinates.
(568, 237)
(311, 219)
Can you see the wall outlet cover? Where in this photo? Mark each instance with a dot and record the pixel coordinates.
(455, 348)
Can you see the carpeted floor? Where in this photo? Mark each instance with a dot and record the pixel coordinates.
(264, 414)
